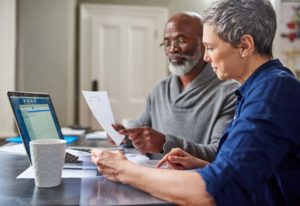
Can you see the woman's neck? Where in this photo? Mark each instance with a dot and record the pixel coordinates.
(253, 64)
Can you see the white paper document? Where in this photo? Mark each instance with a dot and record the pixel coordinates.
(96, 135)
(66, 173)
(98, 103)
(69, 131)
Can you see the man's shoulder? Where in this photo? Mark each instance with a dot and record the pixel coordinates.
(162, 83)
(227, 86)
(230, 84)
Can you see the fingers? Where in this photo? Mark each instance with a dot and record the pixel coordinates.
(94, 159)
(118, 127)
(107, 162)
(178, 152)
(104, 155)
(136, 133)
(132, 131)
(143, 138)
(162, 161)
(176, 160)
(136, 136)
(137, 141)
(141, 143)
(96, 152)
(173, 153)
(141, 146)
(99, 154)
(109, 139)
(165, 158)
(175, 166)
(173, 158)
(171, 162)
(143, 149)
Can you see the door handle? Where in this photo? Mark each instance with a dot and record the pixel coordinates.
(95, 85)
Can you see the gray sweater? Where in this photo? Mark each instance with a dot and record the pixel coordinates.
(193, 119)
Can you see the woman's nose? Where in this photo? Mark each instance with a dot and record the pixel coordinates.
(206, 57)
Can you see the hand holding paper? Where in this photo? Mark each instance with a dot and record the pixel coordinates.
(99, 105)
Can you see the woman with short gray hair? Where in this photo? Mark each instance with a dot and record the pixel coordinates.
(258, 158)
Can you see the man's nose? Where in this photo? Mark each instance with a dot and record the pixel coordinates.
(173, 48)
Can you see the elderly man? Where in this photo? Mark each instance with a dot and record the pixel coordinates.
(191, 95)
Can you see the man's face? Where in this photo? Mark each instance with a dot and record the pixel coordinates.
(183, 47)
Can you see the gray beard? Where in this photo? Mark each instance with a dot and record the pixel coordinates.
(187, 66)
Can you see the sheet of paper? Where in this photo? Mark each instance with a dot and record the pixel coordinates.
(69, 131)
(77, 153)
(98, 103)
(66, 173)
(96, 135)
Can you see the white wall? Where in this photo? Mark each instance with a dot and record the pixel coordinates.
(7, 64)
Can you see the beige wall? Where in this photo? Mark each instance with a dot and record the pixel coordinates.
(46, 51)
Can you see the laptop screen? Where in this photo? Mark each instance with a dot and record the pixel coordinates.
(35, 116)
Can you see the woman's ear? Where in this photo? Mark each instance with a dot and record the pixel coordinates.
(246, 45)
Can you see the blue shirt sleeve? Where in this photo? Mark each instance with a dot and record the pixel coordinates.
(264, 132)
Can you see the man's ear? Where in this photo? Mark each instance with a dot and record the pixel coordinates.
(246, 45)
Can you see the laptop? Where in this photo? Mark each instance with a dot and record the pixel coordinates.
(36, 119)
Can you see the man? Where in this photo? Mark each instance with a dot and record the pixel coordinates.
(191, 95)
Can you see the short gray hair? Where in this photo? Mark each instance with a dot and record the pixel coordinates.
(234, 18)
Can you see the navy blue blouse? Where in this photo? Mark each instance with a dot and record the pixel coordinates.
(258, 159)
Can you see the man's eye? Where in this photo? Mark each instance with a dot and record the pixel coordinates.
(182, 40)
(167, 43)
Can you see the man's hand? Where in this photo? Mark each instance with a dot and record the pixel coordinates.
(117, 127)
(180, 160)
(145, 139)
(110, 164)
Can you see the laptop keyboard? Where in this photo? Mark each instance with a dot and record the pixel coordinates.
(69, 158)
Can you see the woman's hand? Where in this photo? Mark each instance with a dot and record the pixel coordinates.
(110, 164)
(180, 160)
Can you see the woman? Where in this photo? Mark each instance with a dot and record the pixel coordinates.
(258, 159)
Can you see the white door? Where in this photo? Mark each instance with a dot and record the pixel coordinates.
(119, 53)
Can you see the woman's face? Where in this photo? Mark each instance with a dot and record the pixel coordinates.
(225, 60)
